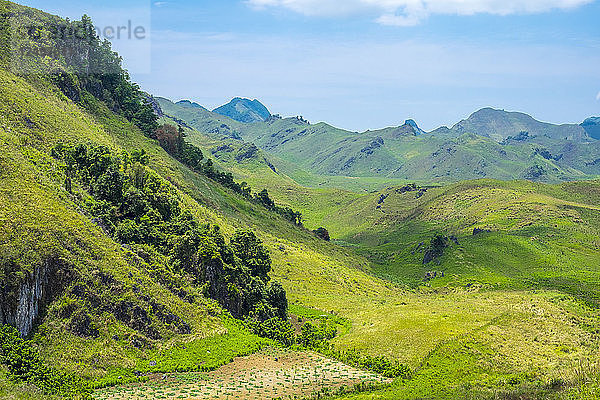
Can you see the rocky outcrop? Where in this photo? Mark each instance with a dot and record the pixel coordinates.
(154, 104)
(22, 302)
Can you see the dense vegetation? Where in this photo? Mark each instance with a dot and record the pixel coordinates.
(138, 208)
(24, 364)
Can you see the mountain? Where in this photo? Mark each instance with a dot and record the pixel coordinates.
(592, 127)
(188, 103)
(244, 110)
(445, 155)
(200, 118)
(414, 125)
(500, 125)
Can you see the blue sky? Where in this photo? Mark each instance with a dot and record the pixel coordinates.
(365, 64)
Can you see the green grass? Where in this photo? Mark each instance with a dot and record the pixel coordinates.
(9, 390)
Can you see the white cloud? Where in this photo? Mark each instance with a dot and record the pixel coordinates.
(598, 96)
(411, 12)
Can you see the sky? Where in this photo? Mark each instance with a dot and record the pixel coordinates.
(363, 64)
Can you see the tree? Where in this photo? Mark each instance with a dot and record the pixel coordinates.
(277, 298)
(322, 233)
(169, 139)
(109, 186)
(264, 199)
(252, 253)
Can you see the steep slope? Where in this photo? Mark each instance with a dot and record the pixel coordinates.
(244, 110)
(75, 290)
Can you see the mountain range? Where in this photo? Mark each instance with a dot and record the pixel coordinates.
(489, 144)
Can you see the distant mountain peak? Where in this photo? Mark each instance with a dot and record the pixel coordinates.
(592, 127)
(244, 110)
(501, 124)
(188, 103)
(413, 124)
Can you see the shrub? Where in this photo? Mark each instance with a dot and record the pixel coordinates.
(25, 365)
(322, 233)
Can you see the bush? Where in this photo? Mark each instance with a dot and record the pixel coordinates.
(25, 365)
(274, 328)
(322, 233)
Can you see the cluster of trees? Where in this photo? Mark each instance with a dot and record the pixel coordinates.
(172, 139)
(137, 207)
(79, 62)
(313, 336)
(24, 364)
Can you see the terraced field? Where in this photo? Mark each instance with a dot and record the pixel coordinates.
(270, 374)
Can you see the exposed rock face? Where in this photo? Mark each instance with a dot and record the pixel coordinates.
(418, 131)
(155, 106)
(20, 305)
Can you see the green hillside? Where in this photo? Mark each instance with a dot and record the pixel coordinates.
(500, 124)
(93, 300)
(536, 240)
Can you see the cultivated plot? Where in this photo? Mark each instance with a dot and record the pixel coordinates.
(270, 374)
